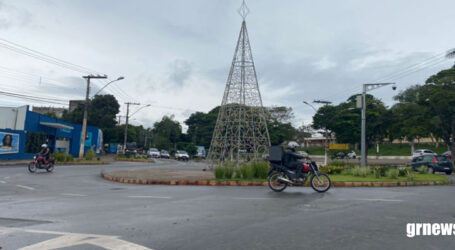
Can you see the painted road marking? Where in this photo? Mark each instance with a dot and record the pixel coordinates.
(66, 239)
(391, 200)
(76, 195)
(150, 197)
(25, 187)
(252, 198)
(3, 182)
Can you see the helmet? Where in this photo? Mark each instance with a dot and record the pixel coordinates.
(292, 145)
(44, 146)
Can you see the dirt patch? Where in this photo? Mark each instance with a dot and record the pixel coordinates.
(164, 174)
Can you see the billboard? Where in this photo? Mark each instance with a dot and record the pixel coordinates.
(9, 143)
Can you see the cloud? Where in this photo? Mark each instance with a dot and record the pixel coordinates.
(180, 71)
(11, 16)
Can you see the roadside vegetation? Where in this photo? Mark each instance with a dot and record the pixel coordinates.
(90, 157)
(339, 171)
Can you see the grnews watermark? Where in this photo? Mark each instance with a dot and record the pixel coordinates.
(429, 229)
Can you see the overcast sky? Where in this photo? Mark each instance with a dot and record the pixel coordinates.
(177, 53)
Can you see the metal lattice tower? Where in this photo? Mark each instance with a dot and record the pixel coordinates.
(241, 132)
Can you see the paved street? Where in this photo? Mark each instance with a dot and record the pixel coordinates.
(74, 208)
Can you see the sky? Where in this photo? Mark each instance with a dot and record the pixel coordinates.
(176, 54)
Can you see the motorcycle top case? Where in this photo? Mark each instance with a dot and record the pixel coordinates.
(275, 154)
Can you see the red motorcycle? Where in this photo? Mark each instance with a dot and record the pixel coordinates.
(40, 162)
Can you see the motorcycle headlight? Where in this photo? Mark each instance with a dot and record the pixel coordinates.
(34, 157)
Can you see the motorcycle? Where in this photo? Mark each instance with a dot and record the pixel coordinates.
(280, 176)
(39, 162)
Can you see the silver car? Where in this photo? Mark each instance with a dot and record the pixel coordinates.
(422, 152)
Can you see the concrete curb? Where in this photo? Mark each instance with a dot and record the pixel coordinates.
(258, 183)
(134, 160)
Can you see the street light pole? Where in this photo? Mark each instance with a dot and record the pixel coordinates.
(107, 84)
(367, 87)
(325, 130)
(125, 135)
(84, 121)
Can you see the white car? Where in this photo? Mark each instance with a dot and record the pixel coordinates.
(153, 153)
(181, 156)
(352, 155)
(421, 152)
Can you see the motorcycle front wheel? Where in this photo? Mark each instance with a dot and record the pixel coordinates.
(320, 183)
(50, 168)
(31, 168)
(275, 184)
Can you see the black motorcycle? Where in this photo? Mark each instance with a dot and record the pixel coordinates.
(280, 176)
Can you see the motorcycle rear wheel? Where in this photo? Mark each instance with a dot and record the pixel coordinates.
(275, 184)
(50, 168)
(320, 183)
(31, 168)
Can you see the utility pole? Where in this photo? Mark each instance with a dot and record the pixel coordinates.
(326, 146)
(367, 87)
(126, 124)
(84, 121)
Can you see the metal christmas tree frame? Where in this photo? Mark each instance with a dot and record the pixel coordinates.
(241, 132)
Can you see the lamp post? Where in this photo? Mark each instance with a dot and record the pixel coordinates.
(125, 136)
(107, 84)
(325, 131)
(367, 87)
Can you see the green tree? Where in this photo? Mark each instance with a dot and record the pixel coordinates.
(201, 126)
(166, 133)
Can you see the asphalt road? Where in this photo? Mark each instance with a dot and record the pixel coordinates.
(74, 208)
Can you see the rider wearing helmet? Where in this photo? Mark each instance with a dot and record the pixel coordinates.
(291, 158)
(45, 151)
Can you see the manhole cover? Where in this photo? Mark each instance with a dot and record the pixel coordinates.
(15, 222)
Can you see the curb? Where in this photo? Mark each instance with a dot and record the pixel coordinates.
(57, 163)
(134, 160)
(258, 183)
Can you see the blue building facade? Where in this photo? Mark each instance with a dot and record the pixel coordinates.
(32, 129)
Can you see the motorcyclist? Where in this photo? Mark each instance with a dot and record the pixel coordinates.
(291, 158)
(45, 151)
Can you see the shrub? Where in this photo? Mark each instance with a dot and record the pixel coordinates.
(393, 173)
(237, 173)
(402, 172)
(247, 172)
(332, 169)
(423, 170)
(360, 171)
(260, 169)
(377, 172)
(410, 174)
(98, 158)
(62, 157)
(337, 163)
(90, 155)
(219, 172)
(228, 172)
(351, 165)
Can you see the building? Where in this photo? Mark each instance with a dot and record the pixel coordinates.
(74, 104)
(49, 110)
(22, 132)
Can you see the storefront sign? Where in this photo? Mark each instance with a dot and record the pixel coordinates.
(9, 143)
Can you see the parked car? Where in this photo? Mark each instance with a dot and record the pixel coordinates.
(164, 154)
(421, 152)
(181, 156)
(153, 153)
(433, 162)
(352, 155)
(201, 153)
(448, 154)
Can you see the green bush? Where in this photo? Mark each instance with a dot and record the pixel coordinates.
(351, 165)
(62, 157)
(98, 158)
(337, 163)
(402, 172)
(219, 172)
(393, 173)
(423, 170)
(332, 169)
(377, 172)
(90, 155)
(228, 172)
(360, 171)
(247, 172)
(410, 174)
(260, 169)
(237, 173)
